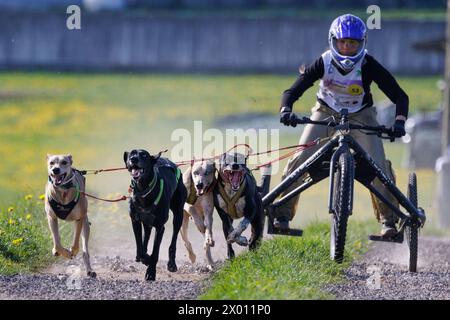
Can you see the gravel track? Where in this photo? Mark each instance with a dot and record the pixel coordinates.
(118, 275)
(117, 279)
(395, 282)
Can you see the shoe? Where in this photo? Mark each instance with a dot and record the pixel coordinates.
(281, 223)
(388, 230)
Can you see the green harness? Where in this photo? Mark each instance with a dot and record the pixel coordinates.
(152, 185)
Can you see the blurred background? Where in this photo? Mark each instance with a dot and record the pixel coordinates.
(139, 69)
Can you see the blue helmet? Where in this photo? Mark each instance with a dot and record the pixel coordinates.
(347, 26)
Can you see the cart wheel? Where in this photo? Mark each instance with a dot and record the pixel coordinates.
(343, 191)
(412, 227)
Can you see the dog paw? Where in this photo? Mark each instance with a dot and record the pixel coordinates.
(172, 267)
(74, 251)
(145, 259)
(209, 267)
(208, 242)
(150, 274)
(67, 254)
(91, 274)
(231, 237)
(62, 252)
(242, 241)
(192, 257)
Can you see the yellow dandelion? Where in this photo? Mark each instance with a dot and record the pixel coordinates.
(28, 216)
(28, 197)
(42, 197)
(11, 221)
(17, 241)
(10, 209)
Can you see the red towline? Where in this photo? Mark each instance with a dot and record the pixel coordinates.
(298, 147)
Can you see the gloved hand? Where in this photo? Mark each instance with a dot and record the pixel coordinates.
(398, 128)
(285, 116)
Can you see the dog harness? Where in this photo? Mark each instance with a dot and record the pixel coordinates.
(231, 202)
(152, 185)
(63, 210)
(192, 197)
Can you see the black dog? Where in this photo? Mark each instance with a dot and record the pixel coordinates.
(236, 195)
(157, 186)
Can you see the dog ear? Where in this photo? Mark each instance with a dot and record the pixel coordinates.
(212, 163)
(69, 156)
(156, 157)
(125, 157)
(48, 155)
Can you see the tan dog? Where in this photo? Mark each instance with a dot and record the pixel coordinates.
(65, 199)
(199, 180)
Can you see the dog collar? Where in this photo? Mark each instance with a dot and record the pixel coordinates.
(150, 187)
(65, 185)
(68, 184)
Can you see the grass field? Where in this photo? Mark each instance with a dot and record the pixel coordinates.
(288, 267)
(24, 240)
(96, 117)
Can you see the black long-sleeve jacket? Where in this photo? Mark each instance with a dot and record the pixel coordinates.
(371, 70)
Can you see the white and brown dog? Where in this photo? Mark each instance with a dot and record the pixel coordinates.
(65, 199)
(199, 180)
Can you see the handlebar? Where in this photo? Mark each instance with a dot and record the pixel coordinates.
(380, 131)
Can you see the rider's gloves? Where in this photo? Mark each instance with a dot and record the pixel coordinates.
(399, 128)
(285, 116)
